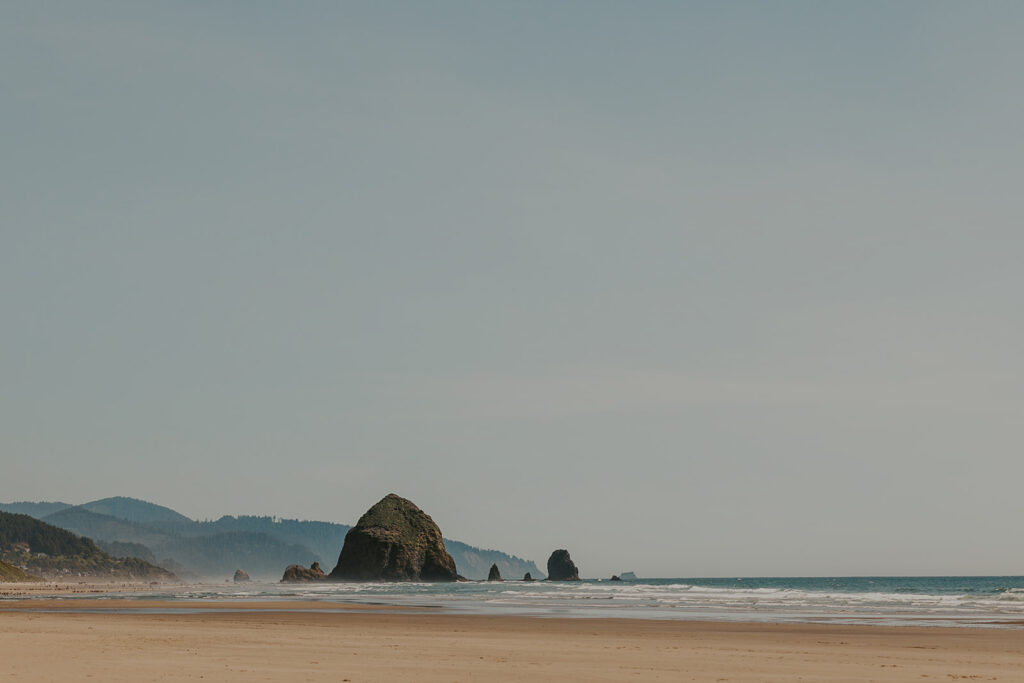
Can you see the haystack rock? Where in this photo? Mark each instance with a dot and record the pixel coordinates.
(494, 574)
(527, 577)
(241, 576)
(296, 573)
(561, 567)
(394, 541)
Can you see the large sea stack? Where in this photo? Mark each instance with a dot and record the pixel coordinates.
(494, 574)
(561, 567)
(394, 541)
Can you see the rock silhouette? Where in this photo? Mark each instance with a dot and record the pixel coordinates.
(241, 576)
(527, 577)
(614, 578)
(394, 541)
(296, 573)
(494, 574)
(561, 567)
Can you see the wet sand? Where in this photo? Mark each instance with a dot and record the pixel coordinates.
(254, 642)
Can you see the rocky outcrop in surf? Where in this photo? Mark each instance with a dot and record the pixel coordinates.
(241, 576)
(528, 577)
(494, 574)
(394, 541)
(296, 573)
(561, 567)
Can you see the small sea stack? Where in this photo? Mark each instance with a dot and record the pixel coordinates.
(528, 577)
(494, 574)
(615, 578)
(296, 573)
(241, 576)
(561, 567)
(394, 541)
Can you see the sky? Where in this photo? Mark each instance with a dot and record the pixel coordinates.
(687, 288)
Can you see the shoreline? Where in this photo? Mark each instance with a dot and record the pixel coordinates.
(178, 598)
(260, 642)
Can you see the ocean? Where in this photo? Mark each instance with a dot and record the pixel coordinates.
(979, 601)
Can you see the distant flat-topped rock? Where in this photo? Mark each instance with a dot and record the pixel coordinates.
(241, 576)
(561, 567)
(494, 574)
(394, 541)
(296, 573)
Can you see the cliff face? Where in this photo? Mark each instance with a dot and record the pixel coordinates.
(394, 541)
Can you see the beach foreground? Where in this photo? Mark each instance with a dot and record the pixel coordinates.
(258, 643)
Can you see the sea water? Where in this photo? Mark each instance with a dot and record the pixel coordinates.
(994, 601)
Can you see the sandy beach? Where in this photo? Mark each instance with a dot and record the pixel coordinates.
(259, 643)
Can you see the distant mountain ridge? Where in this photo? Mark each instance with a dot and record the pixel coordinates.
(263, 546)
(37, 510)
(134, 510)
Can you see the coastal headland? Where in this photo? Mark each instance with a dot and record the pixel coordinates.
(299, 641)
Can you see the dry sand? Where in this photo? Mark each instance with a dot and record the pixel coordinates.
(257, 644)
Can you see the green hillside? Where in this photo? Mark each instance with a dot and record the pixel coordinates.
(41, 538)
(11, 574)
(47, 550)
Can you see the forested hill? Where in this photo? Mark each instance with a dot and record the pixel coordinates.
(46, 550)
(213, 554)
(40, 537)
(134, 510)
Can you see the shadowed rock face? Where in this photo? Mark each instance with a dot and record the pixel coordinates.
(494, 574)
(561, 567)
(298, 574)
(394, 541)
(241, 576)
(527, 577)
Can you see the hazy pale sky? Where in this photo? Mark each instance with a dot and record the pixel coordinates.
(722, 288)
